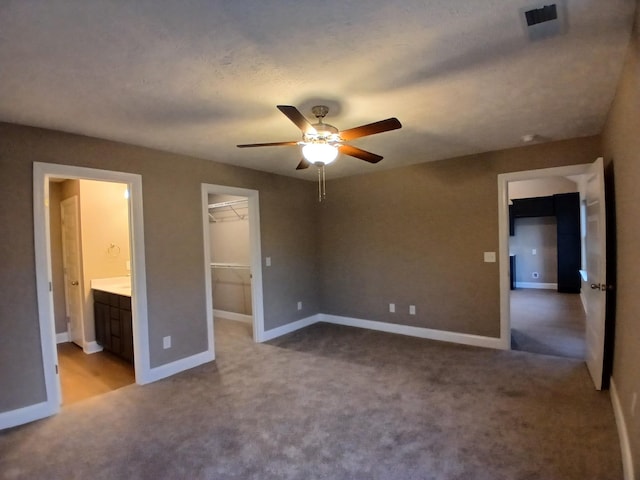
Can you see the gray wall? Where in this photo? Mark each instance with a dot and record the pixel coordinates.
(173, 244)
(622, 152)
(541, 234)
(416, 236)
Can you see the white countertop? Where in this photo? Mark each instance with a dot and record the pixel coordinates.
(117, 285)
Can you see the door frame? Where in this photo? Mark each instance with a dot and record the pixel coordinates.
(257, 304)
(503, 234)
(42, 173)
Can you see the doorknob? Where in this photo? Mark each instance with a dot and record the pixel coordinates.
(597, 286)
(75, 282)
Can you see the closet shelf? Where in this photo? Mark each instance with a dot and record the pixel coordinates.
(238, 266)
(243, 203)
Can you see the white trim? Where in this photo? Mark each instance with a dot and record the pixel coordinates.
(91, 347)
(238, 317)
(583, 299)
(42, 172)
(168, 369)
(503, 234)
(23, 415)
(62, 337)
(291, 327)
(625, 445)
(257, 305)
(421, 332)
(538, 285)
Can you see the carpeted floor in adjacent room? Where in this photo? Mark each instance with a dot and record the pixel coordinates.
(332, 402)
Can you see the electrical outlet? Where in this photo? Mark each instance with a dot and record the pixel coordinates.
(299, 305)
(534, 251)
(490, 257)
(267, 261)
(412, 309)
(392, 308)
(166, 342)
(634, 397)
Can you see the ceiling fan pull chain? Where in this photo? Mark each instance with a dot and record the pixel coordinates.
(324, 184)
(319, 186)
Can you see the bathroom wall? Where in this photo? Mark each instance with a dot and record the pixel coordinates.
(104, 220)
(229, 243)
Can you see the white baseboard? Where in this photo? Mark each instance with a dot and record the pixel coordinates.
(421, 332)
(238, 317)
(91, 347)
(625, 446)
(540, 285)
(289, 327)
(62, 337)
(23, 415)
(164, 371)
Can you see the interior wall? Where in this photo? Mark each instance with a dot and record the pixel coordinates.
(57, 268)
(541, 187)
(173, 247)
(104, 224)
(416, 236)
(230, 243)
(622, 155)
(541, 234)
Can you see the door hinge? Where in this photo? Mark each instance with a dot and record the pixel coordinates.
(56, 369)
(50, 288)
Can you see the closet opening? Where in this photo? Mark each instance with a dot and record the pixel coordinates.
(232, 262)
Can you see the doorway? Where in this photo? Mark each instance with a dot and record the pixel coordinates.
(233, 265)
(597, 344)
(545, 243)
(43, 174)
(90, 254)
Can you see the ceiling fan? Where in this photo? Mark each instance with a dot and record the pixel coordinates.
(321, 142)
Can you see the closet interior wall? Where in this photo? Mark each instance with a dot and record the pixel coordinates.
(230, 256)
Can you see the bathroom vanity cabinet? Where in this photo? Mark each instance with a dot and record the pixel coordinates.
(114, 332)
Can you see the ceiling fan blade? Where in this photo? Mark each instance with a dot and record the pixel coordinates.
(296, 117)
(361, 154)
(371, 128)
(272, 144)
(304, 163)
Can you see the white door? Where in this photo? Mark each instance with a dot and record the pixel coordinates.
(596, 272)
(71, 259)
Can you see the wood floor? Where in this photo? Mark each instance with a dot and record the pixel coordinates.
(83, 376)
(547, 322)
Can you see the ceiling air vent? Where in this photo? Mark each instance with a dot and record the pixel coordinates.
(540, 15)
(543, 21)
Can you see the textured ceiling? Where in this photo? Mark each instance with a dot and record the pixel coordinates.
(199, 77)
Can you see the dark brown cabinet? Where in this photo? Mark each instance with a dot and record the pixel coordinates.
(114, 331)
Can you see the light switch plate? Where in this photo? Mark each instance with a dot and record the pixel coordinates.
(392, 307)
(166, 342)
(412, 309)
(267, 261)
(490, 257)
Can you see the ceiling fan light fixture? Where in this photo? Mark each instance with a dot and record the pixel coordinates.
(319, 153)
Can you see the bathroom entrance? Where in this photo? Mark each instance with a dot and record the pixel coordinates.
(90, 263)
(109, 224)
